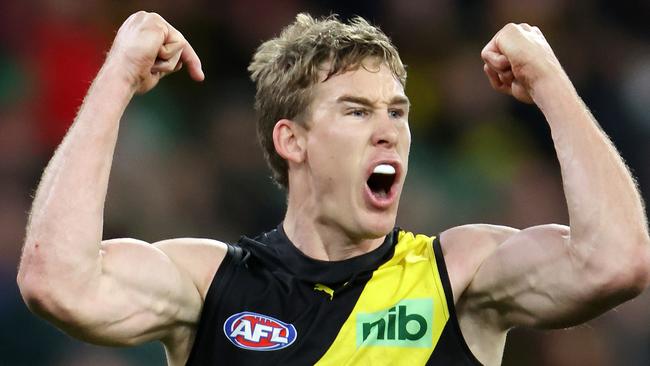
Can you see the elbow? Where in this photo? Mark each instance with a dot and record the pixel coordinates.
(57, 305)
(38, 301)
(54, 292)
(34, 290)
(643, 266)
(640, 265)
(28, 283)
(31, 277)
(636, 280)
(627, 276)
(62, 306)
(31, 280)
(43, 295)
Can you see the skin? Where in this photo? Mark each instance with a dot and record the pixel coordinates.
(125, 291)
(360, 115)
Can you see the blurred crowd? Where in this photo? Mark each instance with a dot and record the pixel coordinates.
(187, 161)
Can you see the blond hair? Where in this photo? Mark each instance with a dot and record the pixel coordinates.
(285, 68)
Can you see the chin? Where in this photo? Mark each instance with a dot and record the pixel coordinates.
(376, 227)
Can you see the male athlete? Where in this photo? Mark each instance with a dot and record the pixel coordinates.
(335, 283)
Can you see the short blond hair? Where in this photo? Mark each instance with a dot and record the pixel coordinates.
(285, 68)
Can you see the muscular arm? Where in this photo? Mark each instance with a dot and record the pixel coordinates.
(119, 291)
(553, 276)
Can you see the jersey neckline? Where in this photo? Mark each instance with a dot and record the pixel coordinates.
(276, 246)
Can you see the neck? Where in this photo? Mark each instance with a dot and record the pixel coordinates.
(322, 238)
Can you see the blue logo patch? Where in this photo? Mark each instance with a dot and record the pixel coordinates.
(258, 332)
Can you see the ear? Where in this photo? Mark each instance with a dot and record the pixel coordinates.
(289, 140)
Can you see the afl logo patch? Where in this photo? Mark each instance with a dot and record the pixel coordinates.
(258, 332)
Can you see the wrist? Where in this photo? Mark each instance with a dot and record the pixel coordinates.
(558, 100)
(108, 95)
(553, 88)
(115, 78)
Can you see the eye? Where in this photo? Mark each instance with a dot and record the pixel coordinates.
(396, 113)
(357, 112)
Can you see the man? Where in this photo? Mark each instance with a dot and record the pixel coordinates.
(336, 282)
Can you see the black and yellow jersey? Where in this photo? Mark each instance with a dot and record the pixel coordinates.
(269, 304)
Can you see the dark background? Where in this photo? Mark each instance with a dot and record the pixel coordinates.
(187, 162)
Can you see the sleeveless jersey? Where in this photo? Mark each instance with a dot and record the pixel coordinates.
(269, 304)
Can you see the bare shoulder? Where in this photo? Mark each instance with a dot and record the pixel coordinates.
(466, 247)
(198, 258)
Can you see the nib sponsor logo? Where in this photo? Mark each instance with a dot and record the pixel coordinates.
(407, 324)
(258, 332)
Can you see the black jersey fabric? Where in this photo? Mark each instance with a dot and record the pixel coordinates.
(315, 312)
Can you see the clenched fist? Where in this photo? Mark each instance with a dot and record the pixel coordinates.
(516, 58)
(146, 48)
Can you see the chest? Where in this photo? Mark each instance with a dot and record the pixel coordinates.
(396, 311)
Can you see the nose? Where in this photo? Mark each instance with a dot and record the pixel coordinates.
(385, 133)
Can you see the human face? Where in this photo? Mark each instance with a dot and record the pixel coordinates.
(358, 125)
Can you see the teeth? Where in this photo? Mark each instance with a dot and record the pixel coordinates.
(384, 169)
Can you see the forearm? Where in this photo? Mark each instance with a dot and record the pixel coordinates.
(605, 208)
(65, 224)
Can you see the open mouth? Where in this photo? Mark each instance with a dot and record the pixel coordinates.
(381, 180)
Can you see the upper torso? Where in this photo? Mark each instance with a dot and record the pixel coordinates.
(328, 304)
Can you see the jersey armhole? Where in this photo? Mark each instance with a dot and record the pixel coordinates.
(446, 285)
(234, 257)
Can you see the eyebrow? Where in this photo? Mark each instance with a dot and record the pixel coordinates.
(396, 100)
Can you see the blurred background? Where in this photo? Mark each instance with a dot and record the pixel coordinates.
(188, 164)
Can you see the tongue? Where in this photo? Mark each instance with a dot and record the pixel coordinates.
(384, 169)
(380, 194)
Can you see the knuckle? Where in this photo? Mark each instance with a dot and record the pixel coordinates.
(155, 26)
(151, 19)
(155, 16)
(178, 35)
(137, 15)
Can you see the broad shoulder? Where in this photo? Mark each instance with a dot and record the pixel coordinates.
(466, 247)
(198, 258)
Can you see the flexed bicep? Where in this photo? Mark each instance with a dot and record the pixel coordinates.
(143, 291)
(539, 278)
(115, 292)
